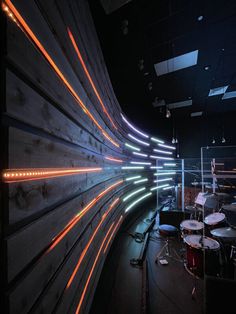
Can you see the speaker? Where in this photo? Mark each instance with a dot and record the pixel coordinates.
(220, 295)
(173, 217)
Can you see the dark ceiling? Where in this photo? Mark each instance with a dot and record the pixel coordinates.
(141, 33)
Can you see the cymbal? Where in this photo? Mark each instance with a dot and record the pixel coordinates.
(226, 232)
(230, 207)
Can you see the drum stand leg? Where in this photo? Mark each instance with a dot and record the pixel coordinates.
(167, 249)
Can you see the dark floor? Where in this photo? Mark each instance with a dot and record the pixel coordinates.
(120, 286)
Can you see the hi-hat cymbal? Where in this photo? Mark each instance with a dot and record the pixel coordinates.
(226, 232)
(229, 207)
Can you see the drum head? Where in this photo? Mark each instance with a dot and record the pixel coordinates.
(199, 242)
(214, 218)
(191, 225)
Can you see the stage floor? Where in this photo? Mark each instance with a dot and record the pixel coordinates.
(169, 286)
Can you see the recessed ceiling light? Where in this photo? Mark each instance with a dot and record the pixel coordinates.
(200, 18)
(207, 67)
(146, 73)
(218, 90)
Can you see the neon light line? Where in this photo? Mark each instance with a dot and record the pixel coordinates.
(32, 174)
(139, 181)
(166, 146)
(159, 187)
(114, 159)
(140, 163)
(132, 178)
(162, 151)
(164, 173)
(163, 180)
(156, 167)
(157, 140)
(114, 230)
(77, 217)
(130, 167)
(81, 258)
(137, 201)
(133, 193)
(35, 40)
(88, 76)
(169, 164)
(139, 141)
(132, 147)
(139, 154)
(160, 157)
(133, 128)
(169, 187)
(92, 269)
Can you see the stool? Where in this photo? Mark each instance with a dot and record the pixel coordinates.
(168, 231)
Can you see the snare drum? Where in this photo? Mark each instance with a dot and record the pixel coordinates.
(196, 244)
(213, 221)
(190, 227)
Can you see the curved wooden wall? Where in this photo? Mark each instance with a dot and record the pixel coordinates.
(63, 181)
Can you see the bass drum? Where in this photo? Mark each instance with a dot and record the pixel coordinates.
(196, 245)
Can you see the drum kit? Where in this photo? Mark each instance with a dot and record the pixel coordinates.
(210, 244)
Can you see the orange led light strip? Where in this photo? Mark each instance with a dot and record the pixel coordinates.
(113, 232)
(88, 75)
(90, 241)
(35, 40)
(77, 218)
(30, 174)
(113, 159)
(92, 269)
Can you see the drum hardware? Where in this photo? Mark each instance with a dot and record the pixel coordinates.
(213, 221)
(190, 226)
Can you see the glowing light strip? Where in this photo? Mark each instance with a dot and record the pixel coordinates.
(114, 159)
(160, 157)
(133, 193)
(35, 40)
(89, 243)
(130, 167)
(162, 180)
(162, 151)
(159, 187)
(88, 76)
(137, 201)
(157, 140)
(114, 230)
(164, 173)
(156, 167)
(30, 174)
(132, 147)
(139, 154)
(169, 164)
(166, 146)
(139, 181)
(169, 187)
(133, 128)
(139, 141)
(140, 163)
(92, 269)
(133, 178)
(77, 217)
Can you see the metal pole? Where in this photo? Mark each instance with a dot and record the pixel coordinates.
(202, 169)
(182, 184)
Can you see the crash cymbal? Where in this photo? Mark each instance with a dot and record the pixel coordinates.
(229, 207)
(226, 232)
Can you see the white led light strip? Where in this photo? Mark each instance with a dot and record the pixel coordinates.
(162, 180)
(139, 181)
(159, 187)
(156, 167)
(139, 141)
(169, 187)
(164, 173)
(160, 157)
(130, 167)
(140, 163)
(169, 164)
(133, 128)
(162, 151)
(132, 147)
(133, 178)
(166, 146)
(137, 201)
(133, 193)
(157, 140)
(139, 154)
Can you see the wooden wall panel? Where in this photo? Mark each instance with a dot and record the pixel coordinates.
(48, 128)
